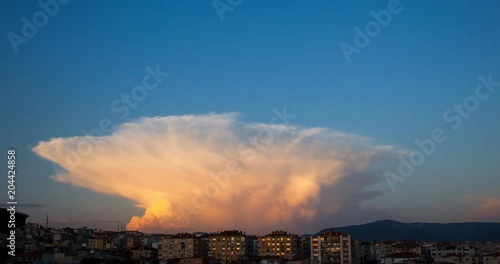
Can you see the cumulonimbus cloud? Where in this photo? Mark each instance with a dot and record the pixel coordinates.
(208, 172)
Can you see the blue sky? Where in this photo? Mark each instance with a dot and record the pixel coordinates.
(263, 55)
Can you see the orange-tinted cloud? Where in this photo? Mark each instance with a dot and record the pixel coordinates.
(485, 208)
(208, 172)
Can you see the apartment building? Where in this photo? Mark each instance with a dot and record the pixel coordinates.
(278, 244)
(230, 246)
(332, 248)
(179, 246)
(96, 243)
(132, 242)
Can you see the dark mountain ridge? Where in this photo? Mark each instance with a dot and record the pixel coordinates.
(385, 230)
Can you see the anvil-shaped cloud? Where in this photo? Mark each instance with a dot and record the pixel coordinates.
(208, 172)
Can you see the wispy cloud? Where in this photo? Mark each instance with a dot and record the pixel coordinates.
(213, 171)
(485, 208)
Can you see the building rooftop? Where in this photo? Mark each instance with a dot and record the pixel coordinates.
(280, 233)
(230, 233)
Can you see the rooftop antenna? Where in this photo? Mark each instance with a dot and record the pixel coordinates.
(118, 226)
(47, 222)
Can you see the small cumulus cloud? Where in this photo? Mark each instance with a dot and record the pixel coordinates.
(208, 172)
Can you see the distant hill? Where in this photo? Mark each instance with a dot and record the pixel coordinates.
(392, 230)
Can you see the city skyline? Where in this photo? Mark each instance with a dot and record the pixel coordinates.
(81, 245)
(258, 116)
